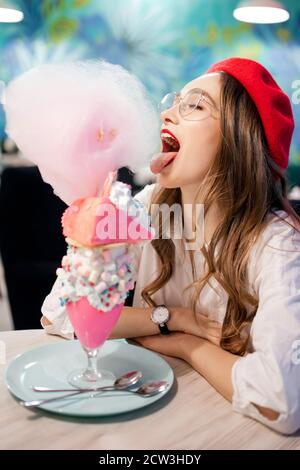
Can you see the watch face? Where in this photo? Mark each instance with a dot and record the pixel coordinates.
(160, 314)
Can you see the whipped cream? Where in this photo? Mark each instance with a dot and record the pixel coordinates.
(103, 276)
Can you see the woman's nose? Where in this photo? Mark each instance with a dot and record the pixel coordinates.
(170, 115)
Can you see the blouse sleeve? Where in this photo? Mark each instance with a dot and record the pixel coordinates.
(56, 314)
(270, 375)
(52, 309)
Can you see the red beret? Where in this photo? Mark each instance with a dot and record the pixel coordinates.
(271, 102)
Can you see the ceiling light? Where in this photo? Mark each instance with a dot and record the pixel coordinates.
(261, 11)
(9, 14)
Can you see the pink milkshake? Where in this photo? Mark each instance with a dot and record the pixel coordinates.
(99, 268)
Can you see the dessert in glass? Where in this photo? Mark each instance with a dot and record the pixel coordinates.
(99, 269)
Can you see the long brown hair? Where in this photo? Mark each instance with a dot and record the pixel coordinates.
(250, 187)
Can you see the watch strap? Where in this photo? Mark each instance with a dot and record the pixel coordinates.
(164, 329)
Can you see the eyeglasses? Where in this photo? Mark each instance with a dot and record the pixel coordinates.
(192, 107)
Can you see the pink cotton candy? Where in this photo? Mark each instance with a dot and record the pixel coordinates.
(78, 121)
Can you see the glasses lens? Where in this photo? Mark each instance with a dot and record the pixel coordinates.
(168, 101)
(193, 107)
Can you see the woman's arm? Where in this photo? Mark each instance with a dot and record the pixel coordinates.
(209, 360)
(215, 364)
(55, 319)
(136, 321)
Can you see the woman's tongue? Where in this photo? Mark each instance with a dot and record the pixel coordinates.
(160, 161)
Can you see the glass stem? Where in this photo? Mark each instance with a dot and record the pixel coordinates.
(92, 370)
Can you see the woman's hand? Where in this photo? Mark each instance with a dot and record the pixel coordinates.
(45, 321)
(197, 325)
(170, 345)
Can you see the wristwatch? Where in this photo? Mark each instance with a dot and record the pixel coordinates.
(160, 315)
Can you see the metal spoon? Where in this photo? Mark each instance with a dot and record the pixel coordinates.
(145, 390)
(121, 383)
(151, 388)
(125, 381)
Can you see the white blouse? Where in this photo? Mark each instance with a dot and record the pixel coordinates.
(269, 375)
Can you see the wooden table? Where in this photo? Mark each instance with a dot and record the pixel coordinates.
(192, 416)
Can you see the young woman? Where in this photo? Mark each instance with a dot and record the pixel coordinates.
(234, 303)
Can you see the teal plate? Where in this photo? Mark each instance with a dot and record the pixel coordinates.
(49, 366)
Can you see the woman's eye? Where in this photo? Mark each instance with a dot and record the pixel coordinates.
(196, 107)
(192, 106)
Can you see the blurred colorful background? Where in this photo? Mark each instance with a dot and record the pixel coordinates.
(165, 43)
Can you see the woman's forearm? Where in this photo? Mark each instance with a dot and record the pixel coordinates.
(215, 365)
(212, 362)
(136, 321)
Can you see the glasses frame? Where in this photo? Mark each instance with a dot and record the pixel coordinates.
(178, 100)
